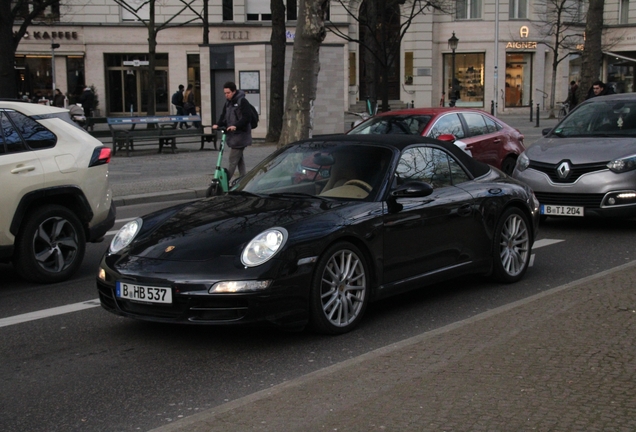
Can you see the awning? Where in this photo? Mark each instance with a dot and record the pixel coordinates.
(609, 53)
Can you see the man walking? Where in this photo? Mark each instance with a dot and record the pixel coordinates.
(236, 119)
(177, 101)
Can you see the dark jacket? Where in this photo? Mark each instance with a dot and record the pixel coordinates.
(177, 99)
(87, 99)
(236, 113)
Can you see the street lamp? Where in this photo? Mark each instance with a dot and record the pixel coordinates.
(452, 44)
(54, 46)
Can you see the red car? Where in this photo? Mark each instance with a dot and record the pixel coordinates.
(479, 134)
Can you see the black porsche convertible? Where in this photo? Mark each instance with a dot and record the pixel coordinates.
(318, 230)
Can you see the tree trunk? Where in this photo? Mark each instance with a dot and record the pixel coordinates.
(370, 21)
(277, 84)
(8, 84)
(592, 57)
(152, 62)
(303, 78)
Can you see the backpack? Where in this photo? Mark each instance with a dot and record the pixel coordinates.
(177, 99)
(253, 114)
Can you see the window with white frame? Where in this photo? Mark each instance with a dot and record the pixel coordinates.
(141, 11)
(623, 17)
(468, 9)
(518, 9)
(260, 10)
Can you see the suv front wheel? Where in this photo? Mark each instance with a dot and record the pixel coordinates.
(50, 246)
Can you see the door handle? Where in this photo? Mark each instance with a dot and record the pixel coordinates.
(22, 169)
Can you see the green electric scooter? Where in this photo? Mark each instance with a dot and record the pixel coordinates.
(220, 183)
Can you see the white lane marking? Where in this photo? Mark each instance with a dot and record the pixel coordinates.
(545, 242)
(126, 219)
(45, 313)
(94, 303)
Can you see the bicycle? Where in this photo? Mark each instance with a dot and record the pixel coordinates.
(220, 183)
(563, 111)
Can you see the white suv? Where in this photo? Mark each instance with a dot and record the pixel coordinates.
(55, 191)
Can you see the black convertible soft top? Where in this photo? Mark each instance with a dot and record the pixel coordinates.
(400, 142)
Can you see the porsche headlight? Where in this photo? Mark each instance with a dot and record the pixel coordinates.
(263, 247)
(623, 164)
(125, 235)
(522, 162)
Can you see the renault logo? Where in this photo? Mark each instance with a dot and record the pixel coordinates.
(563, 170)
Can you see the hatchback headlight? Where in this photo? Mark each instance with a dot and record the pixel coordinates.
(522, 162)
(125, 235)
(623, 164)
(263, 247)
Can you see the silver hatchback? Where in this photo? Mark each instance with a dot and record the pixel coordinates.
(586, 164)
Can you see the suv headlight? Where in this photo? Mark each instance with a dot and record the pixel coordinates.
(125, 235)
(623, 164)
(522, 162)
(263, 247)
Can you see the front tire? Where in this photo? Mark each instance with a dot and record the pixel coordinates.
(50, 246)
(512, 247)
(340, 290)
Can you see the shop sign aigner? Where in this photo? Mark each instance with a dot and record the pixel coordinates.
(523, 44)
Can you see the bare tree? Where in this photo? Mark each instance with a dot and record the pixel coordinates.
(135, 8)
(278, 40)
(20, 13)
(559, 24)
(592, 57)
(303, 78)
(379, 47)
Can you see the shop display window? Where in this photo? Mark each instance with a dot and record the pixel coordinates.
(469, 79)
(518, 79)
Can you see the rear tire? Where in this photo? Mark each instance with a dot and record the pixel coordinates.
(512, 246)
(50, 246)
(340, 290)
(508, 165)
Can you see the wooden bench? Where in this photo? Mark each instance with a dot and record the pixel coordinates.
(128, 131)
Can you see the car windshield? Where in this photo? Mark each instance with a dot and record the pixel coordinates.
(602, 118)
(323, 170)
(393, 124)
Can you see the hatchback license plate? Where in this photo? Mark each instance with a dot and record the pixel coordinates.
(144, 293)
(559, 210)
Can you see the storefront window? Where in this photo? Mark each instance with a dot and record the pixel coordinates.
(518, 79)
(469, 75)
(34, 76)
(75, 82)
(127, 85)
(620, 73)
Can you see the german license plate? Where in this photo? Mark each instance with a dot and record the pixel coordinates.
(559, 210)
(143, 293)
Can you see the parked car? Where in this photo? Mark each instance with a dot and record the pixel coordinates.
(586, 165)
(479, 134)
(56, 195)
(392, 215)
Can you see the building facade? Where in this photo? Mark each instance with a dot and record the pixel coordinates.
(502, 60)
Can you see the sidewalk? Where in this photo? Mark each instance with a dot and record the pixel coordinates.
(147, 176)
(563, 360)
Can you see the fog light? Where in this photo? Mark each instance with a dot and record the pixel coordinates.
(101, 274)
(611, 201)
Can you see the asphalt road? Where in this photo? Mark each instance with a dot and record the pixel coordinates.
(90, 370)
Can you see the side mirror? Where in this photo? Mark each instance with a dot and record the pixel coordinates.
(412, 189)
(545, 131)
(446, 137)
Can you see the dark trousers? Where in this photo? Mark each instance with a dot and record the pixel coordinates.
(180, 113)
